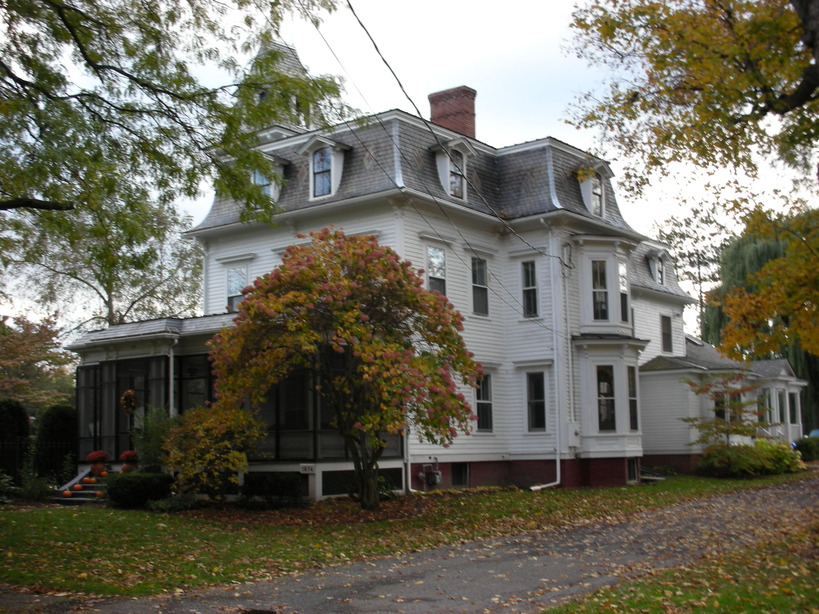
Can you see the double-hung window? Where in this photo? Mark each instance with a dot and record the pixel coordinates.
(622, 268)
(665, 331)
(436, 269)
(322, 177)
(529, 284)
(483, 403)
(606, 417)
(600, 291)
(536, 401)
(633, 413)
(456, 174)
(236, 282)
(480, 289)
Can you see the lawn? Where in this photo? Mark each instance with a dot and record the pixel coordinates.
(106, 551)
(779, 576)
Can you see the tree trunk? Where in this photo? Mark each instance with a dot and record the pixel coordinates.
(368, 488)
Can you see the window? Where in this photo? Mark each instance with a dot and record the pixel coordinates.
(606, 420)
(665, 330)
(600, 293)
(456, 174)
(460, 475)
(480, 290)
(597, 200)
(623, 274)
(529, 289)
(536, 401)
(483, 403)
(236, 282)
(436, 269)
(793, 404)
(260, 180)
(780, 406)
(633, 414)
(322, 161)
(660, 272)
(764, 406)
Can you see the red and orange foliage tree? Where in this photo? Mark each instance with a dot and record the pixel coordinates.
(385, 353)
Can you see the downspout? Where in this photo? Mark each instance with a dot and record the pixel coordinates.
(557, 388)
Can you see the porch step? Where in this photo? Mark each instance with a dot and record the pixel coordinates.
(82, 490)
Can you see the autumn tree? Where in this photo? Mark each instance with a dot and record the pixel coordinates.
(779, 304)
(107, 263)
(765, 303)
(714, 82)
(33, 367)
(106, 95)
(386, 353)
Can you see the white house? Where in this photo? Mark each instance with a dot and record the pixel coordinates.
(563, 302)
(773, 393)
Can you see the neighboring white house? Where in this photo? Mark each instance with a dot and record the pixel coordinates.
(666, 399)
(563, 301)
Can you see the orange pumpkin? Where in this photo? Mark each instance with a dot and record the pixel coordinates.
(103, 474)
(66, 493)
(77, 487)
(100, 494)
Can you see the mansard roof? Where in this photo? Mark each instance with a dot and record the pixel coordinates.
(394, 152)
(643, 278)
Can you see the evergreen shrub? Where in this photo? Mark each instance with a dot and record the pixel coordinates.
(808, 448)
(136, 489)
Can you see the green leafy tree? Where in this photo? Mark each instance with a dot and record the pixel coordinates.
(33, 366)
(387, 353)
(102, 99)
(118, 262)
(714, 82)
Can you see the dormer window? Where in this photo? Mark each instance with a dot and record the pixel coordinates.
(452, 159)
(657, 265)
(263, 182)
(326, 165)
(597, 202)
(322, 172)
(456, 174)
(592, 179)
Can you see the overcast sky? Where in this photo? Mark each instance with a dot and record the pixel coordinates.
(516, 56)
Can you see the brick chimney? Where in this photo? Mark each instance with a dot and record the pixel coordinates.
(454, 109)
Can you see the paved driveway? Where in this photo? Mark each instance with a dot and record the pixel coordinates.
(525, 573)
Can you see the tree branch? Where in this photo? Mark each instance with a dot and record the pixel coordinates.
(34, 203)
